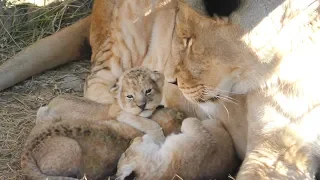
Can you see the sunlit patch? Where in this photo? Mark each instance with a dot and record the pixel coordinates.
(150, 9)
(275, 31)
(35, 2)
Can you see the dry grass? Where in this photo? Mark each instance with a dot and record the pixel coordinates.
(20, 26)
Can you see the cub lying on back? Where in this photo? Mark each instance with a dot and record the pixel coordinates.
(192, 154)
(91, 145)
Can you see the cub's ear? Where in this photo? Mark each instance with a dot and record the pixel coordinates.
(156, 75)
(125, 172)
(158, 78)
(114, 89)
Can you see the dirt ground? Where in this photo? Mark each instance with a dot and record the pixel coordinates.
(19, 104)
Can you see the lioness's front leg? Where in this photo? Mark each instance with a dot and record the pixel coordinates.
(279, 146)
(265, 164)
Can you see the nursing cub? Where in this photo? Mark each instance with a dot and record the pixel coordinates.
(192, 154)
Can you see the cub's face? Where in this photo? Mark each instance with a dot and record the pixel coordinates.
(136, 158)
(139, 91)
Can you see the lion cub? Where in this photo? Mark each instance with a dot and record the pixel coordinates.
(191, 155)
(138, 91)
(71, 148)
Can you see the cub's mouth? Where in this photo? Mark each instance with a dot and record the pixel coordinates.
(146, 113)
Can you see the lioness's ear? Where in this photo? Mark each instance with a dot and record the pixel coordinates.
(158, 78)
(220, 19)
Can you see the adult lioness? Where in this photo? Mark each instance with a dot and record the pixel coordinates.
(275, 63)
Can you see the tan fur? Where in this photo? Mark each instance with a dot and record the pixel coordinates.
(268, 52)
(275, 66)
(76, 108)
(47, 53)
(75, 137)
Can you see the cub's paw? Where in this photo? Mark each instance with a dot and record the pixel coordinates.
(124, 116)
(191, 125)
(45, 114)
(180, 116)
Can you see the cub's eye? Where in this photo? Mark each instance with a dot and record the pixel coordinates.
(148, 91)
(130, 97)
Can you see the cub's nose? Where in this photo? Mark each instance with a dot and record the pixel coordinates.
(142, 106)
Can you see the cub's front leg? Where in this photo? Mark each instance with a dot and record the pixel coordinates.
(143, 124)
(67, 107)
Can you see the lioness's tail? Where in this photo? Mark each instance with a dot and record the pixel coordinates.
(68, 44)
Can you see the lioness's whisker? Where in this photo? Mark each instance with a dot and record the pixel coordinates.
(225, 108)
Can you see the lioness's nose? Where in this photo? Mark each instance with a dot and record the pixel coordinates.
(175, 82)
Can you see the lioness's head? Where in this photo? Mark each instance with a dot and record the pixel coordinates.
(208, 59)
(139, 91)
